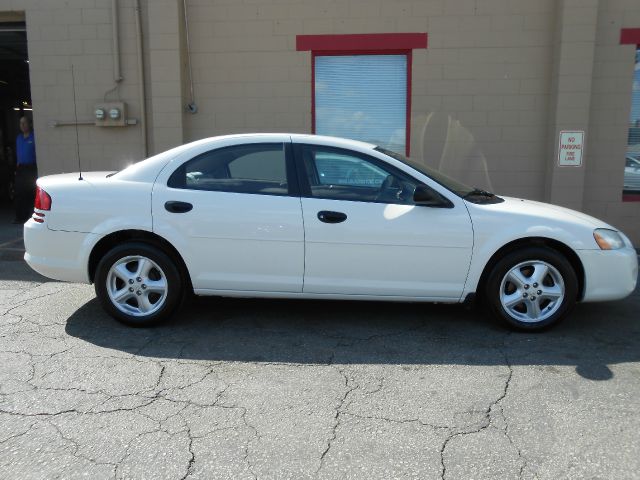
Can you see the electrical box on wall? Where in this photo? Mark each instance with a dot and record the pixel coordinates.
(110, 114)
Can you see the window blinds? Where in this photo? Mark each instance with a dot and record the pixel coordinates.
(362, 97)
(632, 162)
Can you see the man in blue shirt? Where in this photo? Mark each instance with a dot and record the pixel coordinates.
(26, 171)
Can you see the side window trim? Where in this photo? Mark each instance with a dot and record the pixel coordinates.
(293, 182)
(293, 179)
(301, 170)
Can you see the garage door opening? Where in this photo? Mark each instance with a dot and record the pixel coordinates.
(15, 97)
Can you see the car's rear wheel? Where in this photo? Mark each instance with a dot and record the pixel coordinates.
(138, 284)
(532, 289)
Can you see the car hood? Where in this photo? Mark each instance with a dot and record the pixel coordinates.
(517, 218)
(554, 211)
(538, 210)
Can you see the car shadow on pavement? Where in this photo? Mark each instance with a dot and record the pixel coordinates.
(593, 338)
(14, 269)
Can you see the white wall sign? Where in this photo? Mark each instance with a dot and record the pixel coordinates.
(570, 148)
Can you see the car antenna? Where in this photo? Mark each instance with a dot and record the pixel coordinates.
(75, 112)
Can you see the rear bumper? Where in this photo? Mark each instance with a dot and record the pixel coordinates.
(58, 254)
(609, 274)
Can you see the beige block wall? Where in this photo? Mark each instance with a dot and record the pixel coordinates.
(609, 118)
(484, 106)
(62, 33)
(480, 90)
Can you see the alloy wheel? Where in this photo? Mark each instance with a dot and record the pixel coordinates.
(137, 286)
(532, 291)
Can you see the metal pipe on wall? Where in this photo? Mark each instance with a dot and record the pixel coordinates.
(117, 76)
(142, 90)
(191, 107)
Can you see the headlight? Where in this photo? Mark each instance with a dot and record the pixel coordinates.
(608, 239)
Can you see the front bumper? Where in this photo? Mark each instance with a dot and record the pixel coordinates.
(609, 274)
(58, 254)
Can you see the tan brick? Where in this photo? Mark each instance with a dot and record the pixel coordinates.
(457, 103)
(361, 8)
(501, 22)
(250, 28)
(428, 8)
(285, 26)
(540, 21)
(471, 118)
(493, 7)
(487, 103)
(528, 7)
(67, 16)
(317, 26)
(81, 32)
(95, 15)
(532, 117)
(503, 117)
(530, 86)
(54, 32)
(164, 41)
(460, 7)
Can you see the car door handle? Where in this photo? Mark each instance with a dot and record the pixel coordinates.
(177, 207)
(331, 217)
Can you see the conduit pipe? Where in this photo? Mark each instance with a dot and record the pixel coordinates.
(191, 107)
(142, 90)
(117, 75)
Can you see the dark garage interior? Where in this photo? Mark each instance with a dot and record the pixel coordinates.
(15, 98)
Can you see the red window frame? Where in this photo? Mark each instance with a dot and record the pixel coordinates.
(363, 44)
(630, 36)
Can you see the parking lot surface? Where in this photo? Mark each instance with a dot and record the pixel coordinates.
(296, 389)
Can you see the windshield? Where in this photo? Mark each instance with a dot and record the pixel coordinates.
(449, 183)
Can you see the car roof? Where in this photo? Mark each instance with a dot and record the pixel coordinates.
(295, 137)
(327, 140)
(149, 167)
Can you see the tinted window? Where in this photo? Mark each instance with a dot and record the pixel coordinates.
(455, 186)
(339, 169)
(343, 175)
(254, 168)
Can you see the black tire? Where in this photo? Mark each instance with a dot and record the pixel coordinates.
(171, 299)
(494, 283)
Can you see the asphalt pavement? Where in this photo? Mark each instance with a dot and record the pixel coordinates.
(234, 389)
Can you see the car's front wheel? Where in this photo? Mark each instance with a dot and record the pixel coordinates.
(138, 284)
(532, 289)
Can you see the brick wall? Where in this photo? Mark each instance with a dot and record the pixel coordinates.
(497, 82)
(79, 33)
(609, 118)
(480, 91)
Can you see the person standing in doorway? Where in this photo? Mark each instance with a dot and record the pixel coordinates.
(26, 171)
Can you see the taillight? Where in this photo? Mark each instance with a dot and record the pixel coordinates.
(43, 200)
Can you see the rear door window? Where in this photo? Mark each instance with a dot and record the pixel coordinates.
(253, 168)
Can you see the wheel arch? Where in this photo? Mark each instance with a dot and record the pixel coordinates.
(111, 240)
(556, 245)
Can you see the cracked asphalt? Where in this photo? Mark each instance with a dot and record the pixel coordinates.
(295, 389)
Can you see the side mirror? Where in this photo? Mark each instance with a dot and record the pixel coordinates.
(428, 197)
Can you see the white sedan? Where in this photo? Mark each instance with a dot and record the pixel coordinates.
(303, 216)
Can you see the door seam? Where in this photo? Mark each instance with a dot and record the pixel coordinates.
(304, 246)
